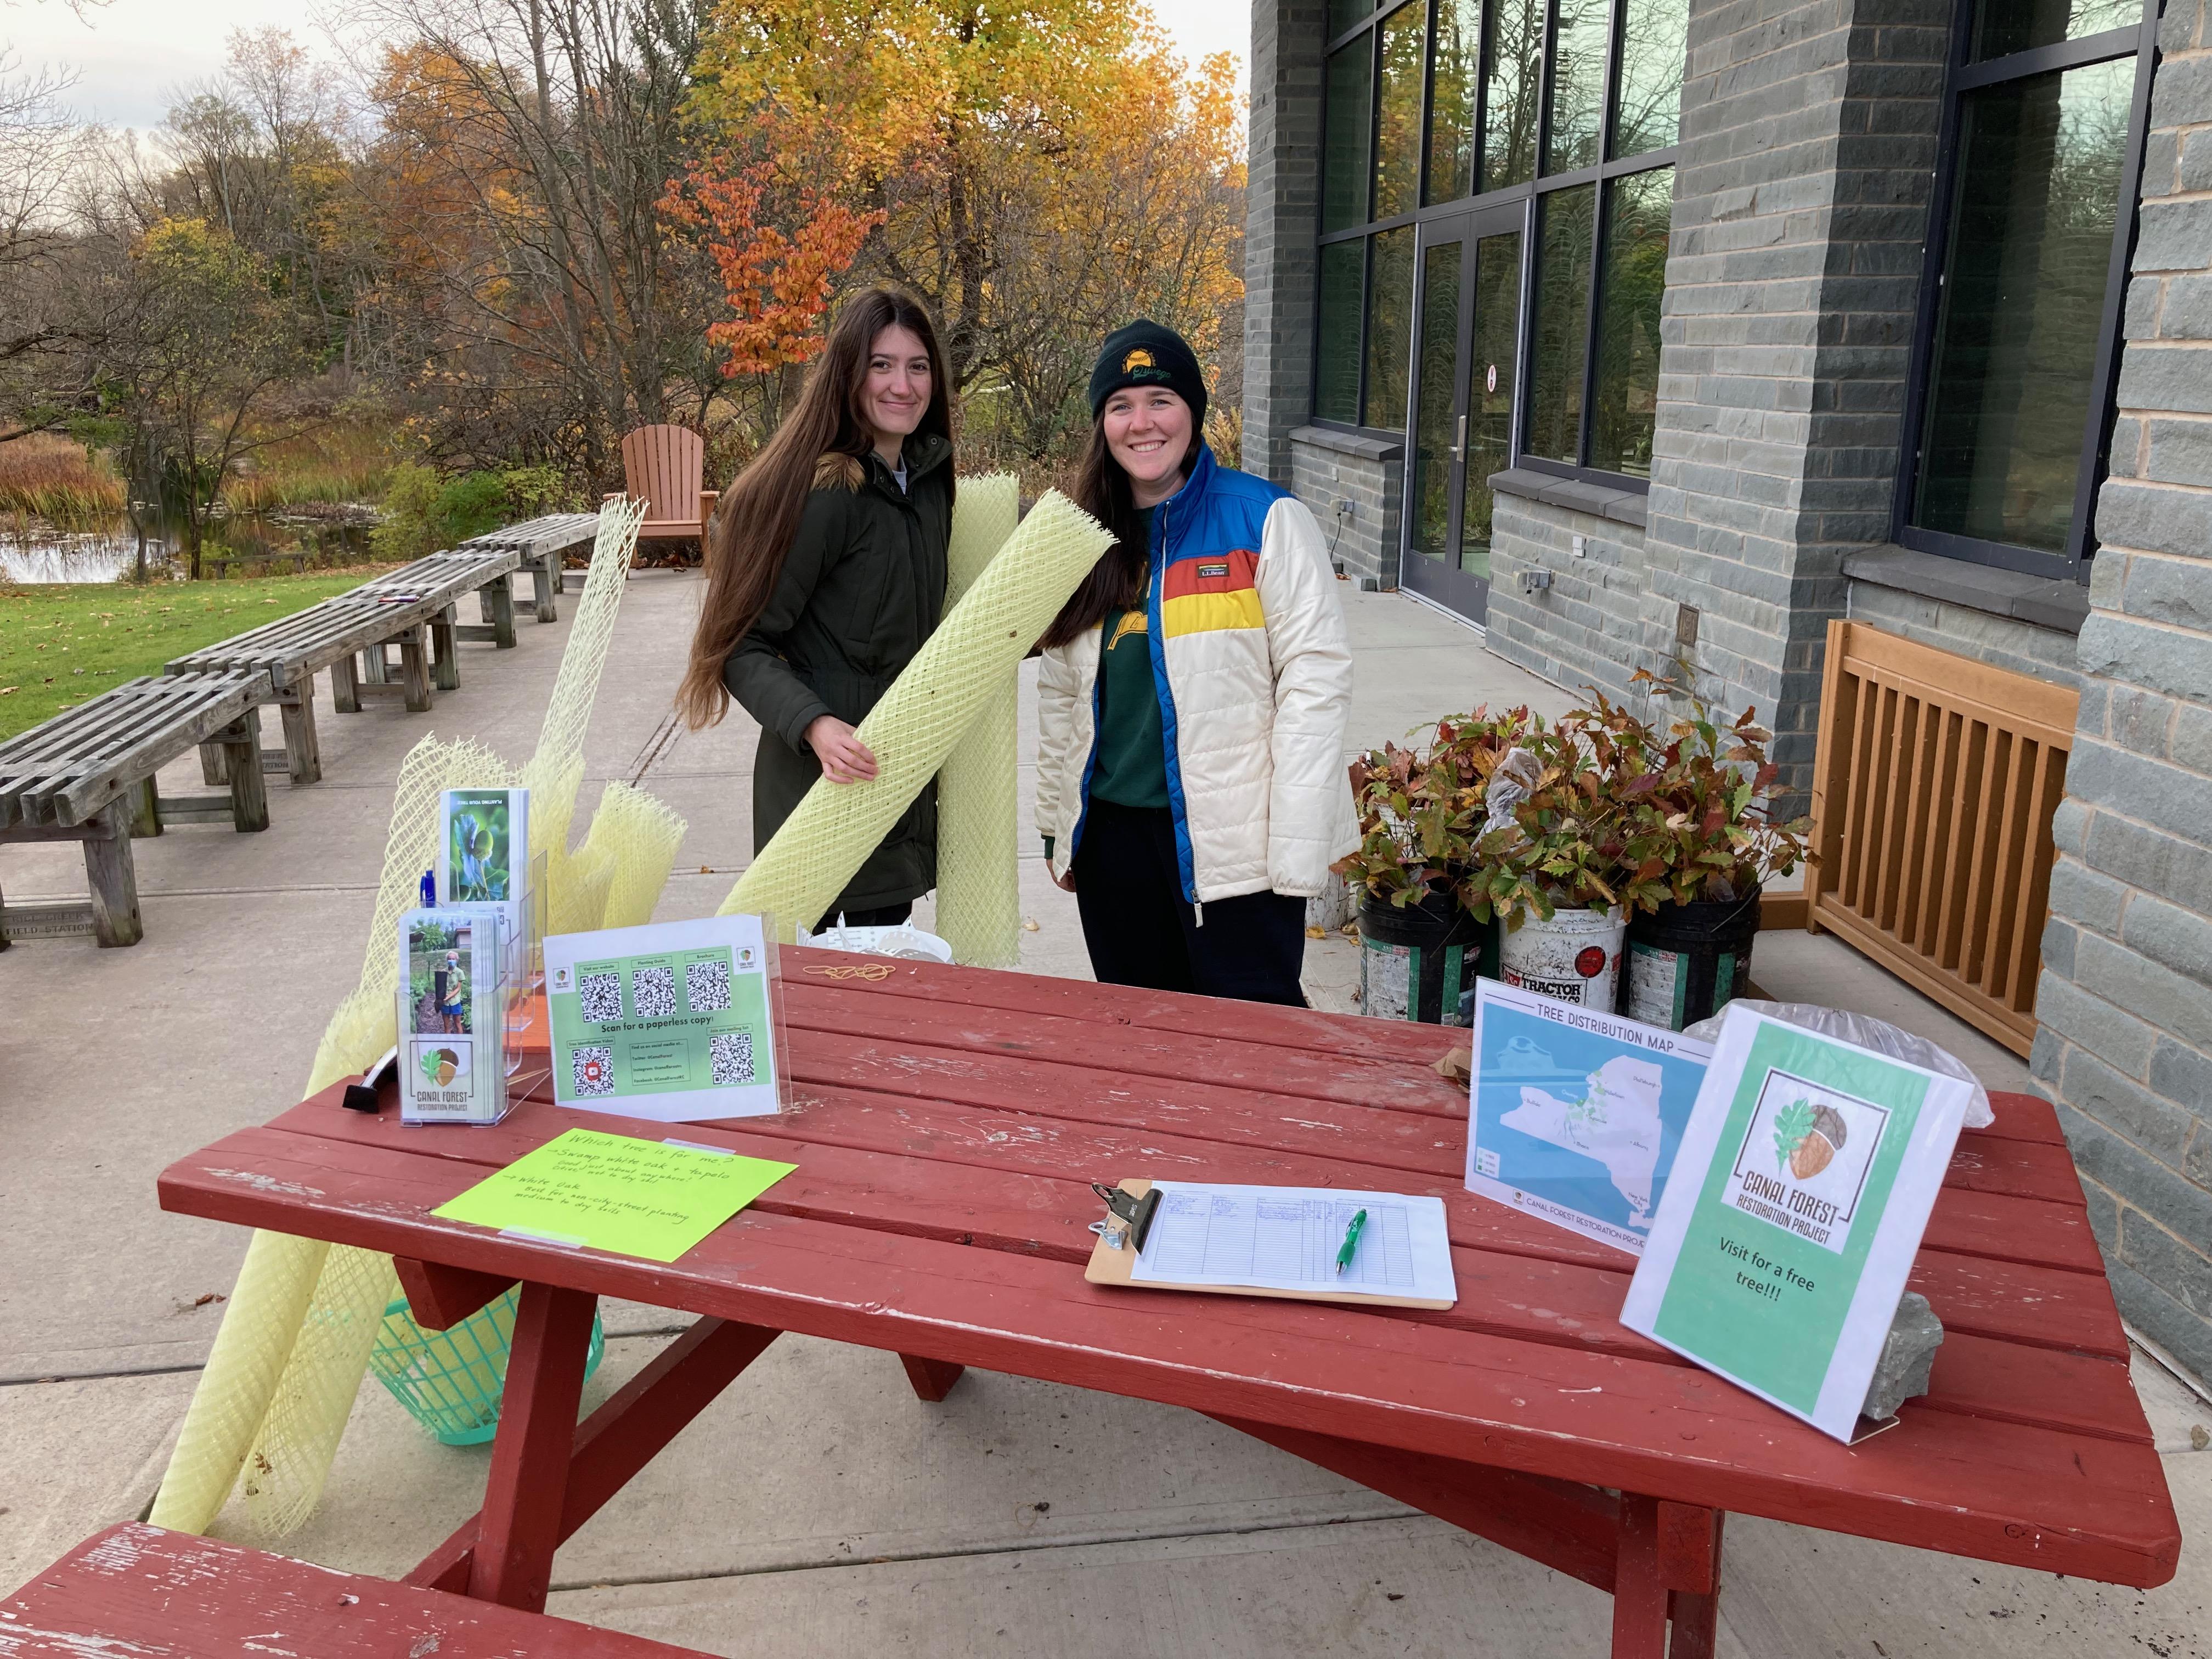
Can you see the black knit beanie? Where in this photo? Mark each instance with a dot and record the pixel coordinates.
(1146, 354)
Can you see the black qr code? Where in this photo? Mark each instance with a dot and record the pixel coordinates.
(707, 987)
(592, 1069)
(653, 992)
(600, 995)
(733, 1054)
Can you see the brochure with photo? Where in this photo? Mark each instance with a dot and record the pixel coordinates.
(452, 1015)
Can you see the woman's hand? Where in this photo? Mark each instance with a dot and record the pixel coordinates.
(1065, 883)
(844, 757)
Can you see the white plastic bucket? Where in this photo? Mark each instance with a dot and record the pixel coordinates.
(1575, 956)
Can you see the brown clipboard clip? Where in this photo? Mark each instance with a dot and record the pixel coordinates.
(1129, 1218)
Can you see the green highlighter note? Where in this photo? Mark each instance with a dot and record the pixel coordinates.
(652, 1198)
(1789, 1225)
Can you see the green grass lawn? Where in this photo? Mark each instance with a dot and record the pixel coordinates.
(63, 642)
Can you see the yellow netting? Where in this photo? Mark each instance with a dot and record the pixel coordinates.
(288, 1359)
(640, 836)
(979, 901)
(982, 640)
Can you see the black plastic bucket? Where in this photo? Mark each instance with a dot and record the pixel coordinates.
(1415, 961)
(1687, 961)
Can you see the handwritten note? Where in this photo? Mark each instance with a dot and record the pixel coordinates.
(644, 1198)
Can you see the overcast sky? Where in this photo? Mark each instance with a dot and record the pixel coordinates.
(129, 54)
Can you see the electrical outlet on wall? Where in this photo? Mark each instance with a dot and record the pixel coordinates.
(1345, 508)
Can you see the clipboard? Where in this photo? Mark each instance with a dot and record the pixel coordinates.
(1108, 1265)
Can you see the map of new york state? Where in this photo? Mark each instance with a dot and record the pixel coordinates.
(1616, 1121)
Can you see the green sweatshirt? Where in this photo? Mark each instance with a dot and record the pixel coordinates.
(1132, 763)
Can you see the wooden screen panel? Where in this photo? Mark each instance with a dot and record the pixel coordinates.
(1934, 786)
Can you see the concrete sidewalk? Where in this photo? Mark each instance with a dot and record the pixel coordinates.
(818, 1506)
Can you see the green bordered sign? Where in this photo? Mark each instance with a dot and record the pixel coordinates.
(673, 1022)
(1787, 1232)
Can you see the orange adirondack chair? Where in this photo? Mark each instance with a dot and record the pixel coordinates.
(666, 467)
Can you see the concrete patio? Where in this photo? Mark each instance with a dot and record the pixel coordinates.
(818, 1506)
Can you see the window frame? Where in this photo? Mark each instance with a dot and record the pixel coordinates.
(1963, 75)
(1607, 169)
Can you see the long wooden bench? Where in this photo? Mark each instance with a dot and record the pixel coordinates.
(544, 544)
(87, 775)
(140, 1592)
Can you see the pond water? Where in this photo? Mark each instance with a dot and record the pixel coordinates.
(33, 550)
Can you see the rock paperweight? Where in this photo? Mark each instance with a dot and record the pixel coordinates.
(1907, 1354)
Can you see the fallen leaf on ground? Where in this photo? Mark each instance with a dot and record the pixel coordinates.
(1029, 924)
(1316, 933)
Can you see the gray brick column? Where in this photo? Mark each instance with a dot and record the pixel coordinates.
(1801, 202)
(1283, 216)
(2125, 999)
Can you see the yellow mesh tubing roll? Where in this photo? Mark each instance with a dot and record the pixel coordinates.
(822, 844)
(639, 834)
(979, 901)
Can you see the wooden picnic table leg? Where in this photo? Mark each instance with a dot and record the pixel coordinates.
(513, 1561)
(932, 1379)
(114, 880)
(303, 757)
(249, 788)
(345, 690)
(212, 764)
(145, 801)
(1639, 1588)
(1690, 1561)
(415, 669)
(499, 601)
(545, 585)
(445, 652)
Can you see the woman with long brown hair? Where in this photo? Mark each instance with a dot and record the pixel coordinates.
(1192, 701)
(825, 573)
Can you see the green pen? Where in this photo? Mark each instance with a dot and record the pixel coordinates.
(1351, 1242)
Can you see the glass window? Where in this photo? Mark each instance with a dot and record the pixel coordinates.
(2008, 26)
(1436, 424)
(1561, 331)
(1578, 52)
(1389, 329)
(1452, 98)
(1343, 13)
(1398, 129)
(1343, 148)
(1490, 392)
(1647, 98)
(1336, 387)
(1638, 210)
(1515, 72)
(2012, 372)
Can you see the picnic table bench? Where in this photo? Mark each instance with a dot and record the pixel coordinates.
(140, 1592)
(544, 544)
(946, 1124)
(87, 775)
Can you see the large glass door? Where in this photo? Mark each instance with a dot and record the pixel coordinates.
(1467, 331)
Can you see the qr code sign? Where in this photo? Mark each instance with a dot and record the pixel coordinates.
(592, 1069)
(707, 987)
(733, 1054)
(653, 992)
(599, 996)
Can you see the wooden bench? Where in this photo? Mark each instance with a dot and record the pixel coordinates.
(87, 775)
(140, 1592)
(545, 544)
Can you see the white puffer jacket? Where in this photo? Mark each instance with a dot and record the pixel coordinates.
(1254, 667)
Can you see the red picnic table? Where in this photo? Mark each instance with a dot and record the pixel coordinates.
(947, 1124)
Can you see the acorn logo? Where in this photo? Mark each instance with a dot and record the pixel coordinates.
(1806, 1138)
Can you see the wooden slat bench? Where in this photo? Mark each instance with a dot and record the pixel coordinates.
(544, 542)
(139, 1592)
(87, 775)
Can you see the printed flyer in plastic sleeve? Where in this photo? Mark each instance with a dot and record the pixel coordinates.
(1574, 1115)
(1800, 1192)
(673, 1022)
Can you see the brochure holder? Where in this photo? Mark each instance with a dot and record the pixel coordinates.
(454, 1005)
(525, 1009)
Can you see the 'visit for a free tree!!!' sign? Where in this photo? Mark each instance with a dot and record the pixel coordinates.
(1787, 1232)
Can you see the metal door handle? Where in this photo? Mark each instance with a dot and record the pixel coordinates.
(1459, 449)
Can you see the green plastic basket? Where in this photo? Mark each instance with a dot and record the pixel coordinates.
(451, 1381)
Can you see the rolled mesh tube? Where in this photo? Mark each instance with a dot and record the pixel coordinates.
(640, 834)
(928, 709)
(979, 901)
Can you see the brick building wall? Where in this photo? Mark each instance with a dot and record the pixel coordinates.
(2126, 998)
(1284, 216)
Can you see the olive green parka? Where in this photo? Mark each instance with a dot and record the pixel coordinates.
(862, 588)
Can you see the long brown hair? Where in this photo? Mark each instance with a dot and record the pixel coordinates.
(758, 517)
(1116, 582)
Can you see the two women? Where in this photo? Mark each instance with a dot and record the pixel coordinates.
(1192, 697)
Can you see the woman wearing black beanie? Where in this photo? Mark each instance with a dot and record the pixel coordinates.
(1192, 698)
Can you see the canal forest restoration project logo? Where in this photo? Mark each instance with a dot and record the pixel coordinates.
(1803, 1162)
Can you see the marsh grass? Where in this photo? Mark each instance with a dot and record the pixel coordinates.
(342, 462)
(49, 477)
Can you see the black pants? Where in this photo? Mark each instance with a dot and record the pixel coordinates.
(884, 915)
(1141, 931)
